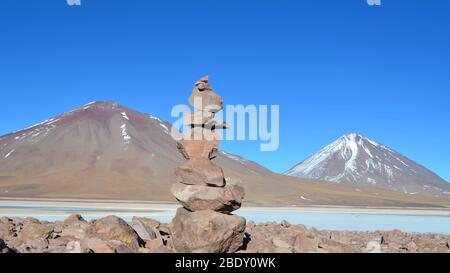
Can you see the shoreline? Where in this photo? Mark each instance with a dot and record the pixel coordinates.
(126, 206)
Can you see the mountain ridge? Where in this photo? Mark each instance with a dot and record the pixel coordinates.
(103, 150)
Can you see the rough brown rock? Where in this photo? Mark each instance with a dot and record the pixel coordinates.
(34, 231)
(197, 197)
(204, 99)
(199, 143)
(96, 245)
(305, 244)
(74, 226)
(373, 247)
(73, 247)
(214, 124)
(144, 231)
(207, 232)
(198, 118)
(74, 218)
(39, 245)
(6, 230)
(4, 248)
(271, 238)
(121, 247)
(200, 172)
(114, 228)
(156, 246)
(332, 246)
(148, 221)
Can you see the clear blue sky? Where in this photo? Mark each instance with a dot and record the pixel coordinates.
(332, 66)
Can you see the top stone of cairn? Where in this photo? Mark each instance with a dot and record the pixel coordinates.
(203, 97)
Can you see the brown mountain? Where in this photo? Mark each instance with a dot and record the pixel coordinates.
(103, 150)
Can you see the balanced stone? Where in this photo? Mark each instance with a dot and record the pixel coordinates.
(203, 97)
(202, 84)
(207, 231)
(199, 143)
(200, 172)
(216, 124)
(198, 118)
(196, 197)
(205, 223)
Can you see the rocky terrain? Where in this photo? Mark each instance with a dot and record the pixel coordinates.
(142, 235)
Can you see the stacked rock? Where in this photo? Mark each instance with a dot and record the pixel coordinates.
(205, 223)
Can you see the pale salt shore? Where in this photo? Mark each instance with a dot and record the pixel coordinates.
(158, 207)
(60, 208)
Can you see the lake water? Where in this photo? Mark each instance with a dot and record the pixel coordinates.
(320, 220)
(358, 221)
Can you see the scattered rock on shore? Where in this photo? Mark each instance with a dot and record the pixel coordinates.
(114, 229)
(207, 231)
(144, 235)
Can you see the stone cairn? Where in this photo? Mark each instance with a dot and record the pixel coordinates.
(205, 224)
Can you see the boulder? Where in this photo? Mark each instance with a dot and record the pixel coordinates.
(197, 197)
(285, 224)
(156, 246)
(258, 243)
(214, 124)
(31, 220)
(373, 246)
(280, 243)
(148, 221)
(74, 218)
(165, 229)
(207, 231)
(6, 220)
(120, 247)
(37, 245)
(60, 244)
(14, 242)
(204, 99)
(34, 230)
(332, 246)
(200, 172)
(144, 231)
(198, 118)
(6, 231)
(144, 250)
(74, 247)
(199, 143)
(4, 248)
(305, 244)
(114, 228)
(203, 83)
(74, 227)
(96, 245)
